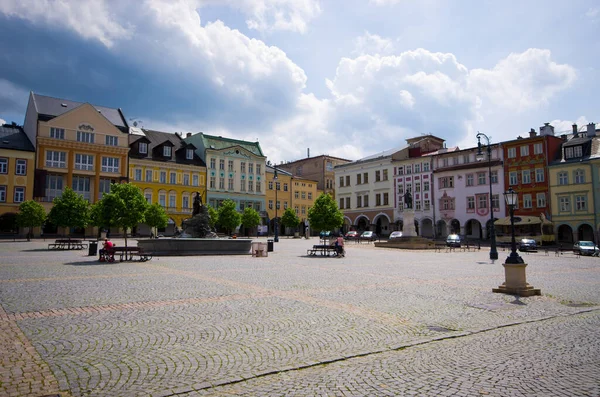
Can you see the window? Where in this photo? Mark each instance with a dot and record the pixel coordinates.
(341, 181)
(195, 179)
(537, 148)
(143, 147)
(358, 201)
(2, 194)
(495, 201)
(303, 195)
(347, 180)
(56, 159)
(163, 177)
(563, 178)
(285, 187)
(417, 168)
(341, 203)
(426, 186)
(230, 184)
(172, 201)
(54, 187)
(580, 203)
(213, 182)
(524, 150)
(213, 164)
(137, 174)
(366, 177)
(481, 178)
(173, 178)
(426, 205)
(385, 175)
(512, 152)
(409, 169)
(222, 183)
(358, 179)
(494, 176)
(425, 167)
(185, 202)
(527, 201)
(57, 133)
(447, 182)
(541, 200)
(539, 175)
(526, 176)
(81, 185)
(568, 152)
(482, 201)
(579, 176)
(417, 205)
(166, 151)
(148, 175)
(417, 187)
(386, 199)
(87, 137)
(454, 160)
(19, 194)
(366, 200)
(577, 151)
(466, 159)
(512, 178)
(347, 202)
(230, 165)
(162, 200)
(310, 195)
(471, 203)
(258, 169)
(251, 168)
(3, 166)
(270, 204)
(470, 179)
(84, 162)
(104, 187)
(243, 185)
(186, 179)
(111, 140)
(377, 176)
(329, 166)
(21, 167)
(243, 167)
(110, 164)
(564, 204)
(257, 186)
(400, 170)
(445, 161)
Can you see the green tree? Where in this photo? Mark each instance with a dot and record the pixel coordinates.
(250, 218)
(31, 214)
(290, 219)
(325, 214)
(124, 207)
(213, 217)
(156, 217)
(70, 210)
(100, 213)
(229, 218)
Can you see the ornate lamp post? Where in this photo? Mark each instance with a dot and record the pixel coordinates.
(276, 239)
(480, 157)
(514, 268)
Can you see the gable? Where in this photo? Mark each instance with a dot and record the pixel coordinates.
(86, 118)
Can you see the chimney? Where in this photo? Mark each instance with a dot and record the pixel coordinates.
(532, 133)
(563, 137)
(308, 153)
(591, 129)
(189, 134)
(547, 129)
(574, 128)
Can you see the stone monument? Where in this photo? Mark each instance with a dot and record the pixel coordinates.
(408, 230)
(198, 225)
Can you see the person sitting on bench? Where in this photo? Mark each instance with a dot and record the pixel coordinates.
(107, 250)
(339, 245)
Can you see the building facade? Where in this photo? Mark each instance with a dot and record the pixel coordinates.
(168, 171)
(319, 168)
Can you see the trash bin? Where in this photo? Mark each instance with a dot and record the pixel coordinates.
(93, 248)
(269, 245)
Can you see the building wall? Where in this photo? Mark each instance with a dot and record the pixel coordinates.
(283, 196)
(10, 180)
(304, 194)
(320, 169)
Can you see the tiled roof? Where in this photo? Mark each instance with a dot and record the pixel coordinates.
(158, 138)
(218, 143)
(53, 107)
(13, 137)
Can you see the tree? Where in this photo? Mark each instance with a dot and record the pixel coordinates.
(124, 207)
(213, 216)
(70, 210)
(250, 218)
(229, 218)
(324, 214)
(290, 219)
(31, 214)
(156, 217)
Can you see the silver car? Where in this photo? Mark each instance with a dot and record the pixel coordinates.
(586, 248)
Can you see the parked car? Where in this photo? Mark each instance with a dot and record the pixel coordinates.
(395, 235)
(351, 235)
(453, 240)
(586, 248)
(325, 234)
(368, 236)
(527, 244)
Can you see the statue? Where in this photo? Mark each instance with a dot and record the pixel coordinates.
(407, 200)
(197, 204)
(198, 225)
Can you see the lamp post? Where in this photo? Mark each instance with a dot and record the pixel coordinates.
(480, 157)
(514, 268)
(276, 226)
(511, 198)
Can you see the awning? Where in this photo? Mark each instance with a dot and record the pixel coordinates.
(521, 220)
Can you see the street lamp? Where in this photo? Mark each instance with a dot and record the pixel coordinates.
(511, 198)
(480, 156)
(276, 239)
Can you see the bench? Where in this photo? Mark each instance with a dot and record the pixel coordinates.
(125, 254)
(323, 249)
(67, 244)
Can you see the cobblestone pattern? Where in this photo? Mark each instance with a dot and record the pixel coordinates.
(174, 325)
(555, 357)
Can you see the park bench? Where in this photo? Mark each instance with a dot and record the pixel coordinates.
(67, 244)
(323, 249)
(125, 254)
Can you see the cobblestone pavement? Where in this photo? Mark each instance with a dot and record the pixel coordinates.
(377, 322)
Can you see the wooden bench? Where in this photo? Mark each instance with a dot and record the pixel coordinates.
(125, 254)
(67, 244)
(323, 249)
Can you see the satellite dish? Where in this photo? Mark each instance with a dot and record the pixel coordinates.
(135, 123)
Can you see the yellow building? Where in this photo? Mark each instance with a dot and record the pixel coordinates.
(304, 194)
(168, 171)
(78, 145)
(574, 214)
(17, 164)
(278, 196)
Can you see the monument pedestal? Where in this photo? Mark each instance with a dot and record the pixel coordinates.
(516, 281)
(408, 219)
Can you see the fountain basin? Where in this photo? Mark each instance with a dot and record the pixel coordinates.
(195, 246)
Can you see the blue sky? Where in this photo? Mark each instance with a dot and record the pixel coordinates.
(345, 78)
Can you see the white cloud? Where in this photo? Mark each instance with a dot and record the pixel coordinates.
(566, 126)
(2, 121)
(13, 99)
(373, 44)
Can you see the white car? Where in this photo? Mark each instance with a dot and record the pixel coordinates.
(395, 235)
(586, 248)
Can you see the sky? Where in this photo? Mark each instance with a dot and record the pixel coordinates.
(345, 78)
